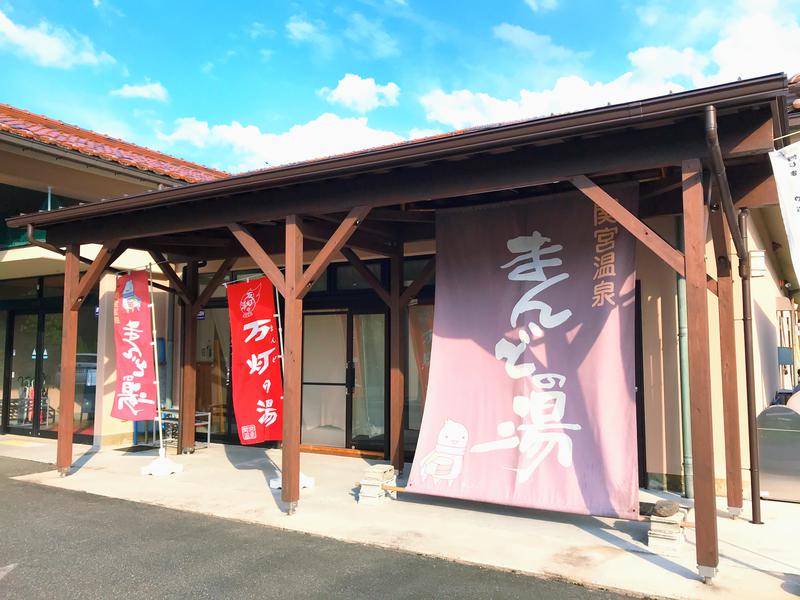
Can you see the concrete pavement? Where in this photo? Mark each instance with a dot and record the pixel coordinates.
(63, 544)
(231, 482)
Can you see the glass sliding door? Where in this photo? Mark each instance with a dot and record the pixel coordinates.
(214, 370)
(50, 373)
(22, 397)
(324, 408)
(369, 389)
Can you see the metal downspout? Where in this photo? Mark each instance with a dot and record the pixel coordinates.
(747, 321)
(718, 170)
(683, 357)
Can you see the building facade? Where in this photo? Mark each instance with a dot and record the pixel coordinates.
(349, 242)
(44, 165)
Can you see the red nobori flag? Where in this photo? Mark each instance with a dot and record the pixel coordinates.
(135, 396)
(256, 362)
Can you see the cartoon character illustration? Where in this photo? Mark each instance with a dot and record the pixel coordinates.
(446, 460)
(130, 301)
(249, 300)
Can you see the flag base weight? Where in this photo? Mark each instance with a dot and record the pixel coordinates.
(276, 483)
(162, 466)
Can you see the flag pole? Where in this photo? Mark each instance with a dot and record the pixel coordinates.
(162, 465)
(162, 452)
(280, 324)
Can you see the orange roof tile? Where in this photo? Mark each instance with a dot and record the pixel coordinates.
(69, 137)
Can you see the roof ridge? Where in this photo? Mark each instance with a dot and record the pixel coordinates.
(95, 137)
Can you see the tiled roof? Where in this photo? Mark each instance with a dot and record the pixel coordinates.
(69, 137)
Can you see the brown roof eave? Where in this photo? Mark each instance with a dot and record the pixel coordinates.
(747, 92)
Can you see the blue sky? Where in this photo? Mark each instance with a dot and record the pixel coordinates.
(239, 85)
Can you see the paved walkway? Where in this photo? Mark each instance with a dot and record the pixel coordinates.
(231, 482)
(113, 549)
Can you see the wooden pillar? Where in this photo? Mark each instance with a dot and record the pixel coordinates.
(188, 405)
(694, 220)
(292, 364)
(727, 342)
(397, 310)
(69, 350)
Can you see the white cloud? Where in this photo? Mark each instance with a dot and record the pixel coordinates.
(761, 37)
(371, 35)
(148, 91)
(188, 129)
(541, 46)
(538, 5)
(361, 94)
(247, 147)
(258, 29)
(662, 63)
(301, 30)
(49, 46)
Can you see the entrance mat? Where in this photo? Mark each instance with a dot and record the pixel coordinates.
(138, 448)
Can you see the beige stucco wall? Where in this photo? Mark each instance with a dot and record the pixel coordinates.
(659, 307)
(660, 349)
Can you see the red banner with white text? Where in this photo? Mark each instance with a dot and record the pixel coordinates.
(135, 396)
(256, 362)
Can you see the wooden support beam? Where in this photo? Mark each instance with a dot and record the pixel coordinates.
(319, 231)
(212, 285)
(727, 342)
(361, 267)
(172, 276)
(424, 277)
(397, 311)
(629, 221)
(259, 256)
(753, 185)
(69, 357)
(694, 219)
(403, 216)
(108, 254)
(188, 404)
(331, 247)
(292, 365)
(621, 151)
(658, 245)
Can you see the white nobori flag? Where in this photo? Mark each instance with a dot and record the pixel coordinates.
(786, 166)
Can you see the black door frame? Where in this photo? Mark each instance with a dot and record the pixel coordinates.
(41, 306)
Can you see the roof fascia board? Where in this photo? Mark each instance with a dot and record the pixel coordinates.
(76, 160)
(759, 91)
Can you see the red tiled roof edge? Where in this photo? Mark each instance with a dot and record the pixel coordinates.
(70, 137)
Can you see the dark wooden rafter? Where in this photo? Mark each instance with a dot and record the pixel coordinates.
(742, 134)
(658, 245)
(362, 240)
(334, 244)
(727, 342)
(405, 216)
(213, 284)
(694, 219)
(177, 283)
(361, 267)
(259, 256)
(107, 255)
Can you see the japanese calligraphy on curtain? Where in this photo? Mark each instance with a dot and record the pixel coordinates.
(531, 391)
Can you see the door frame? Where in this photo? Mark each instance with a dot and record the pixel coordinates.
(41, 306)
(351, 447)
